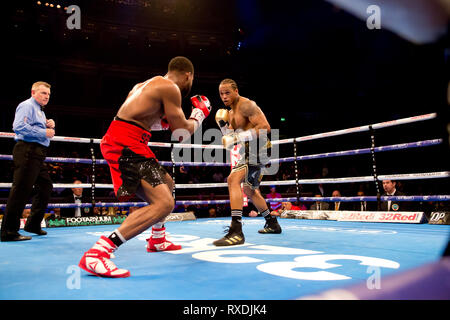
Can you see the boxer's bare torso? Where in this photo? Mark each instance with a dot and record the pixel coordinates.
(239, 114)
(245, 113)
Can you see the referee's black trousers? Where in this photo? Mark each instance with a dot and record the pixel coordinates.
(31, 181)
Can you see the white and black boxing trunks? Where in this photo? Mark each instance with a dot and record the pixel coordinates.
(254, 156)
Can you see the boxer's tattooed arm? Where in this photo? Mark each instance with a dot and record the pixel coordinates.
(255, 116)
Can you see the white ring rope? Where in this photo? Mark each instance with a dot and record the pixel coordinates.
(359, 129)
(400, 146)
(283, 141)
(408, 176)
(209, 202)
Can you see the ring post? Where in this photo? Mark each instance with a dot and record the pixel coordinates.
(374, 165)
(173, 169)
(93, 174)
(296, 171)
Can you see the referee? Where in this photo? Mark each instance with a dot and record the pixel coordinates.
(31, 177)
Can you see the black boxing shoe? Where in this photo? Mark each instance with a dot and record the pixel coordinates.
(271, 226)
(13, 236)
(233, 237)
(39, 231)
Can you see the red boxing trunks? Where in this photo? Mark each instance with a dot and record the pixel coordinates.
(130, 160)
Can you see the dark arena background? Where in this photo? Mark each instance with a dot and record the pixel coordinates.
(312, 67)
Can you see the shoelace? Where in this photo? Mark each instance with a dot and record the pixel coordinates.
(110, 266)
(267, 228)
(228, 232)
(226, 229)
(109, 249)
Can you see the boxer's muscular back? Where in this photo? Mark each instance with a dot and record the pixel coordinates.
(144, 103)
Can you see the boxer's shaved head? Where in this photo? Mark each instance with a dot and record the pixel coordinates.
(181, 64)
(182, 73)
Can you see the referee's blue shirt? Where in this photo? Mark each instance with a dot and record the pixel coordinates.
(30, 123)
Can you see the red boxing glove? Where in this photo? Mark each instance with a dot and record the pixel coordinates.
(201, 109)
(160, 126)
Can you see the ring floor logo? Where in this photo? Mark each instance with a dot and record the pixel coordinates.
(318, 264)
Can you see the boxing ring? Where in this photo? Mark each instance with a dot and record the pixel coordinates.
(311, 256)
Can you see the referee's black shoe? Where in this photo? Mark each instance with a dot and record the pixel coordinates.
(38, 231)
(13, 236)
(33, 228)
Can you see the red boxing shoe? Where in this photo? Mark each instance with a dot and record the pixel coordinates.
(157, 242)
(97, 260)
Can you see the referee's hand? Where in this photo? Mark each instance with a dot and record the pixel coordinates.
(50, 123)
(50, 133)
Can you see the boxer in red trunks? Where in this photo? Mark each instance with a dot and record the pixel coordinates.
(125, 148)
(152, 105)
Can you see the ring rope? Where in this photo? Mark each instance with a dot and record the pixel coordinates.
(200, 202)
(372, 150)
(283, 141)
(401, 146)
(407, 176)
(380, 125)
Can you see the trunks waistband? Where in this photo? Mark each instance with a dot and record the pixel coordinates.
(116, 118)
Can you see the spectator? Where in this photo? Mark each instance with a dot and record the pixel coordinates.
(253, 213)
(389, 187)
(183, 176)
(273, 195)
(218, 176)
(26, 213)
(212, 208)
(290, 206)
(338, 205)
(319, 188)
(113, 211)
(320, 205)
(56, 214)
(132, 209)
(212, 212)
(287, 206)
(76, 196)
(360, 205)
